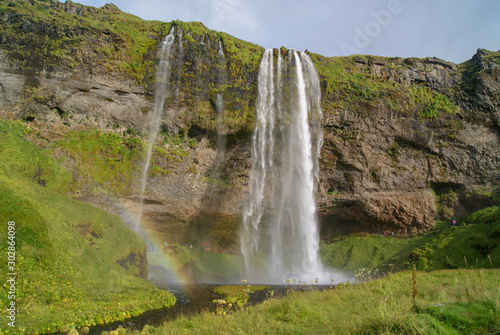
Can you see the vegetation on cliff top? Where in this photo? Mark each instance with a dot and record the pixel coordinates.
(350, 83)
(45, 38)
(476, 65)
(88, 41)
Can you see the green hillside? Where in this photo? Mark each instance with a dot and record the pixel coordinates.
(474, 242)
(76, 264)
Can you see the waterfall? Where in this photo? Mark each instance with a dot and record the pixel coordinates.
(161, 90)
(219, 103)
(280, 237)
(262, 141)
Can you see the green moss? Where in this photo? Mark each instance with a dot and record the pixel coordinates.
(348, 83)
(472, 68)
(346, 86)
(105, 161)
(485, 216)
(432, 105)
(28, 161)
(238, 290)
(156, 171)
(127, 38)
(394, 152)
(353, 253)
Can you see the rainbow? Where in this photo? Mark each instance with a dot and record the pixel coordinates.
(157, 254)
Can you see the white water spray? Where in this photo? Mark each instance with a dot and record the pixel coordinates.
(280, 236)
(161, 90)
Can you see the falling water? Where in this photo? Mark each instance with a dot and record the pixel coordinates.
(280, 237)
(161, 89)
(219, 103)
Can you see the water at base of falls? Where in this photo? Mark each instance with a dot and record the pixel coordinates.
(280, 237)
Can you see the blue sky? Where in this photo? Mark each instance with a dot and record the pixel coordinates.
(449, 29)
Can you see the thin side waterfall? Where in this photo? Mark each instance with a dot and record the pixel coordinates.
(280, 236)
(161, 90)
(219, 103)
(261, 152)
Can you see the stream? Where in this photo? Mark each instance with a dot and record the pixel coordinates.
(191, 300)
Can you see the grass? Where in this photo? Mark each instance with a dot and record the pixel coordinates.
(236, 290)
(103, 162)
(348, 85)
(67, 255)
(353, 253)
(448, 302)
(473, 242)
(235, 297)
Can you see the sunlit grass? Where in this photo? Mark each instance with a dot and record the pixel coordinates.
(448, 302)
(472, 243)
(67, 252)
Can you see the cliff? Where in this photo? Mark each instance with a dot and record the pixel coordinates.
(406, 140)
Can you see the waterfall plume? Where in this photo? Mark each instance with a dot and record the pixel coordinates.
(280, 237)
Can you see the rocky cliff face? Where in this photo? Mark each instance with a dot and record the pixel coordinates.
(406, 140)
(392, 165)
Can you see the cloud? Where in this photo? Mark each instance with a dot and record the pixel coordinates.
(448, 29)
(237, 18)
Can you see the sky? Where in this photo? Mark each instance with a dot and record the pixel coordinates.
(448, 29)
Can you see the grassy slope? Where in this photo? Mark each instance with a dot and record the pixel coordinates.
(474, 242)
(66, 250)
(101, 162)
(448, 302)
